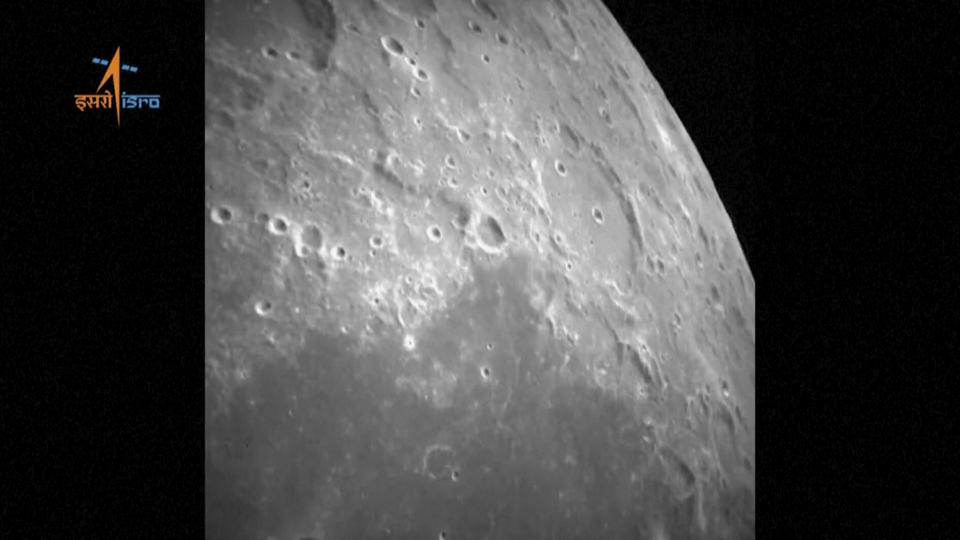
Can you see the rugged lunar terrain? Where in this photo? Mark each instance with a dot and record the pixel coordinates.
(466, 277)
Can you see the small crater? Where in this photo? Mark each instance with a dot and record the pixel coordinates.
(474, 27)
(220, 118)
(221, 215)
(463, 135)
(293, 55)
(600, 91)
(303, 251)
(278, 225)
(262, 218)
(682, 476)
(415, 91)
(409, 342)
(491, 233)
(263, 308)
(560, 167)
(486, 9)
(489, 346)
(677, 324)
(484, 191)
(570, 138)
(270, 52)
(605, 115)
(320, 15)
(422, 75)
(412, 61)
(703, 237)
(385, 165)
(597, 215)
(455, 475)
(485, 372)
(391, 45)
(443, 535)
(630, 354)
(569, 266)
(725, 418)
(450, 162)
(434, 233)
(725, 388)
(502, 39)
(312, 236)
(696, 181)
(340, 253)
(462, 218)
(485, 58)
(420, 24)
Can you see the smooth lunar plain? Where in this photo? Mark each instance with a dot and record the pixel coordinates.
(466, 277)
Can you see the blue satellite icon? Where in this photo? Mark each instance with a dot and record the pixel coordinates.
(124, 67)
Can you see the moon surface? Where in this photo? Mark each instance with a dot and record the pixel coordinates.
(467, 277)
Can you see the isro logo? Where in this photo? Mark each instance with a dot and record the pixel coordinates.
(115, 100)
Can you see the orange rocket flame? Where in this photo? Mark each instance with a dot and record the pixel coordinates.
(113, 71)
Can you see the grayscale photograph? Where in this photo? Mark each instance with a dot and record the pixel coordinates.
(466, 276)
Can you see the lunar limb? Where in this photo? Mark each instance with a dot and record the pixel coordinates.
(466, 277)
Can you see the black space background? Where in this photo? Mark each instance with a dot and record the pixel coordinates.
(805, 118)
(704, 58)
